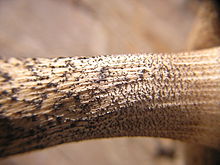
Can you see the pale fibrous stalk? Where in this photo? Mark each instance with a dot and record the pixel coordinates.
(45, 102)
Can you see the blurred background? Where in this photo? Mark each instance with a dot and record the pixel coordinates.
(51, 28)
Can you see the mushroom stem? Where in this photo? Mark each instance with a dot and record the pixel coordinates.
(45, 102)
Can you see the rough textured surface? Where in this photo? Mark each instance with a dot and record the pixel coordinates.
(68, 28)
(45, 102)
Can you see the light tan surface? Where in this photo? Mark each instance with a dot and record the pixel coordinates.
(68, 28)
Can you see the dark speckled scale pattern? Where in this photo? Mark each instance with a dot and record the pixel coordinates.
(45, 102)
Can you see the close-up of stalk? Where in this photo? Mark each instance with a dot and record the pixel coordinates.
(45, 102)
